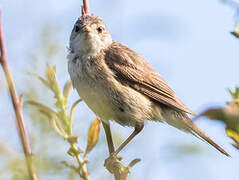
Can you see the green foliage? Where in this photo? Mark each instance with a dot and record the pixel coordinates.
(43, 140)
(62, 122)
(229, 115)
(45, 123)
(59, 119)
(236, 32)
(235, 95)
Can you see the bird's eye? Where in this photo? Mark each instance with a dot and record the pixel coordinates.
(77, 28)
(100, 29)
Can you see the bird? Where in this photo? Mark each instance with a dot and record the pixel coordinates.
(119, 85)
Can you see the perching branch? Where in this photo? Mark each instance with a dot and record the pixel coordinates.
(112, 163)
(17, 105)
(115, 167)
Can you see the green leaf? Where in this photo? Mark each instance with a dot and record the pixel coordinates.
(63, 117)
(52, 116)
(50, 73)
(42, 108)
(235, 34)
(215, 114)
(230, 116)
(67, 89)
(234, 136)
(71, 152)
(232, 94)
(45, 82)
(132, 163)
(73, 108)
(235, 96)
(60, 99)
(52, 84)
(93, 134)
(237, 93)
(51, 77)
(71, 166)
(58, 128)
(74, 152)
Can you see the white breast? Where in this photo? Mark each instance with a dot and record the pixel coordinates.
(105, 96)
(82, 76)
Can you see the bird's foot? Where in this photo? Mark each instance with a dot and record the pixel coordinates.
(114, 166)
(112, 163)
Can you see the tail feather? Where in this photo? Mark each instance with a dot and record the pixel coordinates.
(194, 129)
(181, 121)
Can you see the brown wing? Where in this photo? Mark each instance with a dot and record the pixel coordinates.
(131, 69)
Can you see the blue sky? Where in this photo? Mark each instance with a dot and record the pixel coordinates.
(187, 42)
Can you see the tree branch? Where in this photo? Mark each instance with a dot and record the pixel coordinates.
(115, 167)
(16, 101)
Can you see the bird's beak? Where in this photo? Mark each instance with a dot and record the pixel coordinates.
(87, 29)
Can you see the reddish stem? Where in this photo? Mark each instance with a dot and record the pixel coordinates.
(85, 9)
(17, 105)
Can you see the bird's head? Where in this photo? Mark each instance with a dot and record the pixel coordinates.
(89, 35)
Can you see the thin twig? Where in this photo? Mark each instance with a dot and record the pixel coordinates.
(16, 101)
(82, 165)
(85, 9)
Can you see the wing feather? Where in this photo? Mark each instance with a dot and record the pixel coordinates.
(131, 69)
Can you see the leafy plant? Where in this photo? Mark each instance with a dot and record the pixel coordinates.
(229, 115)
(235, 5)
(61, 120)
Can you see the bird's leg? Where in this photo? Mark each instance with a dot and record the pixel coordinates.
(109, 137)
(112, 163)
(137, 130)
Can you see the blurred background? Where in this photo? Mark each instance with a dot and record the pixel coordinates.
(187, 42)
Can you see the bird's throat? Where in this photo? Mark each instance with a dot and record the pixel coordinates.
(89, 45)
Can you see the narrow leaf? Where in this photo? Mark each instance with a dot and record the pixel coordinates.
(214, 113)
(237, 92)
(132, 163)
(67, 89)
(51, 77)
(71, 152)
(234, 136)
(42, 107)
(50, 73)
(74, 152)
(236, 32)
(71, 166)
(73, 108)
(93, 134)
(230, 116)
(45, 82)
(232, 94)
(52, 116)
(58, 128)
